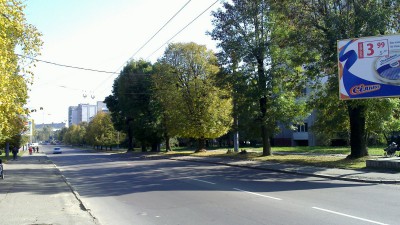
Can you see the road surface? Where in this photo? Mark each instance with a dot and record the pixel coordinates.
(140, 191)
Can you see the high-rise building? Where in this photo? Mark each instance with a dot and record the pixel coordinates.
(84, 112)
(73, 115)
(101, 107)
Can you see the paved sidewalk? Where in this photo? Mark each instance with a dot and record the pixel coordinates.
(34, 192)
(369, 176)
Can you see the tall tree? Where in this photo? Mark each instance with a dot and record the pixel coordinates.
(101, 131)
(131, 105)
(15, 33)
(199, 109)
(44, 134)
(245, 29)
(165, 94)
(75, 134)
(321, 23)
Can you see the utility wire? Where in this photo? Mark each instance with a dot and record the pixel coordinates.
(182, 29)
(160, 29)
(68, 66)
(145, 43)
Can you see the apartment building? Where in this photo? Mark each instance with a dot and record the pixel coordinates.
(84, 112)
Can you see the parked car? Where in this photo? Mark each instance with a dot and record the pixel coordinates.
(57, 150)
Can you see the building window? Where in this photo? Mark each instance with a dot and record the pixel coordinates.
(302, 128)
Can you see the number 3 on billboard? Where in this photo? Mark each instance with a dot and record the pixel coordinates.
(372, 47)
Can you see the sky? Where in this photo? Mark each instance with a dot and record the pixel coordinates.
(102, 35)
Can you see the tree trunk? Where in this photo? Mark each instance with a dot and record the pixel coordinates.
(235, 130)
(262, 85)
(264, 129)
(155, 147)
(201, 145)
(167, 143)
(144, 148)
(130, 136)
(265, 140)
(235, 63)
(7, 150)
(358, 140)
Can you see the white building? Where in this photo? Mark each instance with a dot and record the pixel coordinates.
(84, 112)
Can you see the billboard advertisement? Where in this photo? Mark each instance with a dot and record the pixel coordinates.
(369, 67)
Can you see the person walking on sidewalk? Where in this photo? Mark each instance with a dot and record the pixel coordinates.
(1, 169)
(15, 152)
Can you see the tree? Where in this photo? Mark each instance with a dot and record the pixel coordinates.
(385, 119)
(165, 94)
(75, 134)
(245, 30)
(198, 109)
(59, 134)
(131, 106)
(44, 133)
(101, 131)
(15, 33)
(326, 21)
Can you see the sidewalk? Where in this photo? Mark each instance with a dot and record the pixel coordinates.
(368, 176)
(34, 192)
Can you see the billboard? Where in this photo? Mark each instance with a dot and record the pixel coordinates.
(369, 67)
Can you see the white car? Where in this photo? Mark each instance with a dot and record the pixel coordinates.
(57, 150)
(34, 144)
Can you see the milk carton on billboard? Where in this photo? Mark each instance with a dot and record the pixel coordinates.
(369, 67)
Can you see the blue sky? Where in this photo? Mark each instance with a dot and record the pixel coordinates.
(102, 35)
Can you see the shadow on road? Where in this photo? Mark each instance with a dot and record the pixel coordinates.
(96, 174)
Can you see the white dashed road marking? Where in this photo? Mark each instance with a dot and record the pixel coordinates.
(265, 196)
(201, 180)
(354, 217)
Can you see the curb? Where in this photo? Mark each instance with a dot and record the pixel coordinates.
(76, 194)
(331, 177)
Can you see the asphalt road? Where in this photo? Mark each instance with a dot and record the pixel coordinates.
(139, 191)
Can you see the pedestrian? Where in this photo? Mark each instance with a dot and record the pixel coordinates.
(37, 149)
(30, 150)
(15, 152)
(1, 169)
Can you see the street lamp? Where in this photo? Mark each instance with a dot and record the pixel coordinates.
(41, 108)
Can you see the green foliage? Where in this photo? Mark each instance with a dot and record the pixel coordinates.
(15, 33)
(75, 135)
(44, 134)
(384, 120)
(15, 141)
(101, 131)
(59, 134)
(265, 84)
(193, 106)
(132, 108)
(317, 27)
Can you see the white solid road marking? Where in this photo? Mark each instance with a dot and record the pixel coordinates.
(201, 180)
(354, 217)
(266, 196)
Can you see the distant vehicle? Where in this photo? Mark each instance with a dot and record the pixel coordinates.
(35, 144)
(57, 150)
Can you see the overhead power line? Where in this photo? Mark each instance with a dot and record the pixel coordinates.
(160, 29)
(68, 66)
(182, 29)
(156, 34)
(146, 42)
